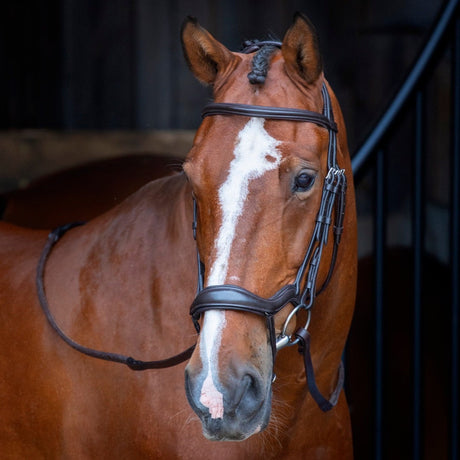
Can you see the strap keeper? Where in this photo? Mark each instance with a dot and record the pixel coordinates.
(323, 219)
(338, 230)
(302, 335)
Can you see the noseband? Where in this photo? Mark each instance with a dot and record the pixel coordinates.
(302, 293)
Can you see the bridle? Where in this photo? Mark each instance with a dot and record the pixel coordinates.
(301, 294)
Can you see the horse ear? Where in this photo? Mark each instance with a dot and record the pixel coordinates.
(301, 51)
(205, 56)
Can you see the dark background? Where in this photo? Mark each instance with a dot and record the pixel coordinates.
(117, 64)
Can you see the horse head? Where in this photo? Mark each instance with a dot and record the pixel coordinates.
(258, 182)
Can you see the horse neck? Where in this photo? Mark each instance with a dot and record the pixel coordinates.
(154, 220)
(112, 278)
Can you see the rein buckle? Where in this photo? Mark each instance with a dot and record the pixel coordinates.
(285, 340)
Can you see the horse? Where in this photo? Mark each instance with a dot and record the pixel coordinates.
(255, 239)
(84, 191)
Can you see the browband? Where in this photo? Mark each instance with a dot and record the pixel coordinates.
(270, 113)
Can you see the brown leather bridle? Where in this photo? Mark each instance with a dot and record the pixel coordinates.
(302, 293)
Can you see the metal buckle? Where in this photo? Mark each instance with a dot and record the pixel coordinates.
(284, 340)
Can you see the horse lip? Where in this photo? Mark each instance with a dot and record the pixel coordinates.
(225, 435)
(216, 430)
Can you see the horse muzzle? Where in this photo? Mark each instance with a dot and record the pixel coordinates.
(232, 411)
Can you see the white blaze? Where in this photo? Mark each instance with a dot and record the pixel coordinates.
(255, 153)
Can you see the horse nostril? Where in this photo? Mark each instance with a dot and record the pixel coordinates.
(251, 385)
(247, 396)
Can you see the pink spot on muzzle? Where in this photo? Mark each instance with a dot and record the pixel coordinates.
(212, 398)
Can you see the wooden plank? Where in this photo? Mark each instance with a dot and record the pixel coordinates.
(28, 154)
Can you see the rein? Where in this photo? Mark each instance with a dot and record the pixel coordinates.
(134, 364)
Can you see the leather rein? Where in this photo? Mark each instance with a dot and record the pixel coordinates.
(230, 297)
(134, 364)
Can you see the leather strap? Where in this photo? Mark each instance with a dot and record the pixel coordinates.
(252, 46)
(132, 363)
(324, 404)
(270, 113)
(230, 297)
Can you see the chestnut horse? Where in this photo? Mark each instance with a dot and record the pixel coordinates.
(261, 185)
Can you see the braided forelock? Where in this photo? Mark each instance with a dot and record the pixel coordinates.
(261, 64)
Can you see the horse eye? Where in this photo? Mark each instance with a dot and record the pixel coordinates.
(304, 182)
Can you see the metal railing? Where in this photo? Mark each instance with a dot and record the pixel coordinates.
(372, 156)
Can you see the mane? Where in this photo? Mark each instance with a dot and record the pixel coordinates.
(261, 60)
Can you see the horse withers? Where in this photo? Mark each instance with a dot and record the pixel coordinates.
(264, 186)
